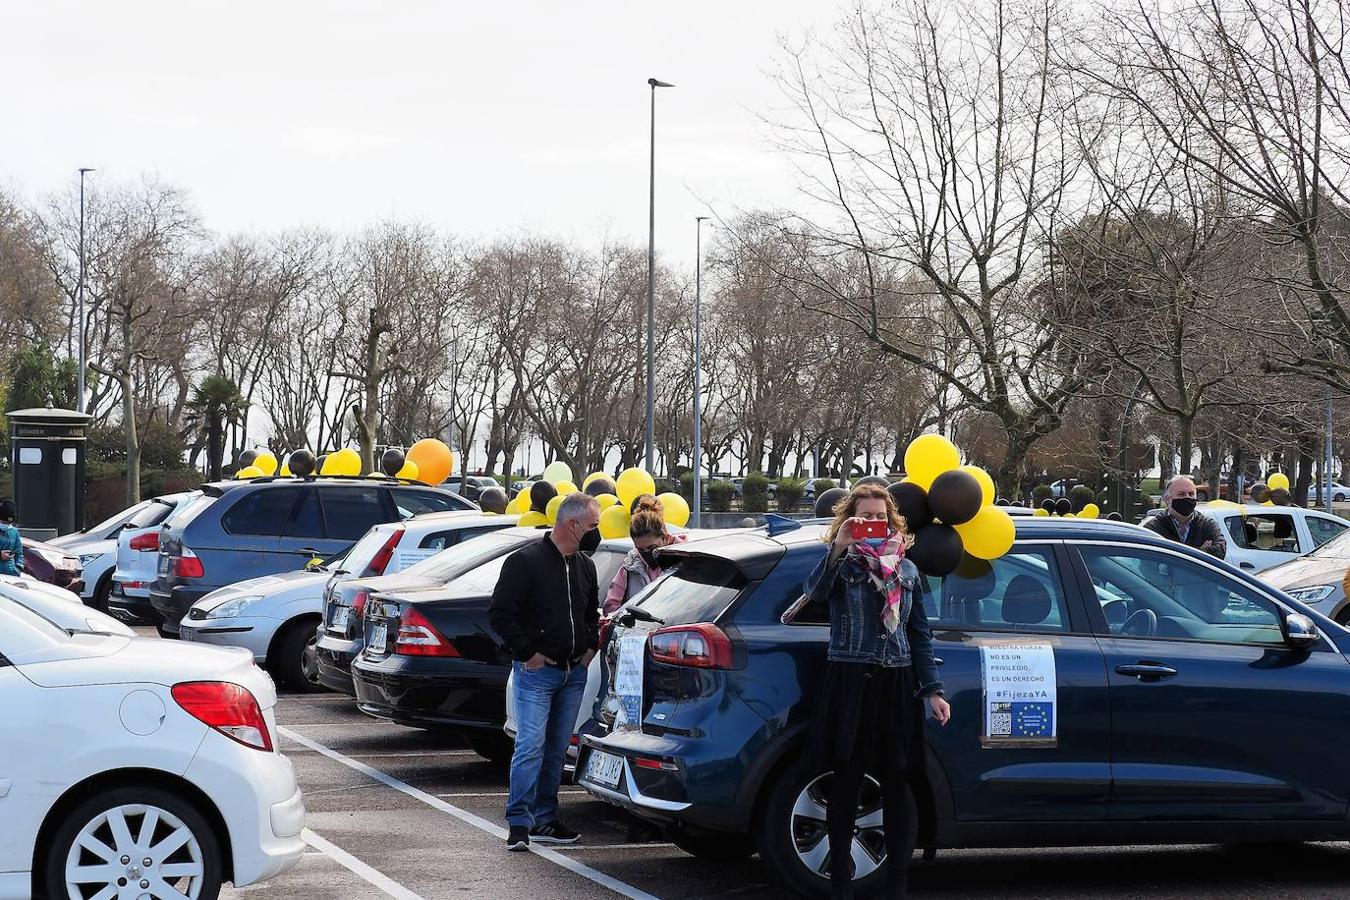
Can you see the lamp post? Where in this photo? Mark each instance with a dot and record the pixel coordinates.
(79, 291)
(651, 284)
(698, 371)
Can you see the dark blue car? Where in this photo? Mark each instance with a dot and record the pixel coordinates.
(1186, 701)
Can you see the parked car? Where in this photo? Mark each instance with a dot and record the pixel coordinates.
(471, 487)
(523, 484)
(341, 633)
(1149, 643)
(132, 762)
(277, 617)
(59, 606)
(1317, 578)
(431, 660)
(1339, 493)
(52, 565)
(265, 526)
(138, 559)
(104, 530)
(97, 548)
(739, 485)
(1259, 536)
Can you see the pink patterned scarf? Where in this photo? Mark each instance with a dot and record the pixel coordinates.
(883, 566)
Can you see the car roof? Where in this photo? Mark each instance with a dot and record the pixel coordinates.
(216, 488)
(457, 518)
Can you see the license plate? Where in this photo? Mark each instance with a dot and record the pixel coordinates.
(186, 634)
(341, 616)
(604, 768)
(379, 637)
(163, 565)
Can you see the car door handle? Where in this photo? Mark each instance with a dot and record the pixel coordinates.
(1246, 565)
(1147, 671)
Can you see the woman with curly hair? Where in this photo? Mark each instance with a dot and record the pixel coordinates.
(647, 528)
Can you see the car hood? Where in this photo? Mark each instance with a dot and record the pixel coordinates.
(60, 606)
(88, 547)
(108, 659)
(264, 586)
(1306, 571)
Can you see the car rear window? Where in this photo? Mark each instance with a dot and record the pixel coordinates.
(411, 502)
(463, 556)
(263, 512)
(364, 550)
(697, 589)
(481, 579)
(349, 512)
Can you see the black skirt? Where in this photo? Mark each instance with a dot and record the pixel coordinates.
(867, 715)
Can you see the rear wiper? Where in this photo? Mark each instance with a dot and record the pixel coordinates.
(638, 614)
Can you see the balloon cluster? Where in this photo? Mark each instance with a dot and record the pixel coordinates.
(429, 461)
(1064, 507)
(616, 498)
(255, 464)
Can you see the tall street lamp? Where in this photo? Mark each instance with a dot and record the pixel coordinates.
(651, 285)
(79, 291)
(698, 370)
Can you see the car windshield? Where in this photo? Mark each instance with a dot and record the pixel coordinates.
(1336, 548)
(464, 556)
(122, 516)
(697, 589)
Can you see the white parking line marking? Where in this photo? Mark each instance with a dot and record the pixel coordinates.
(661, 845)
(585, 871)
(352, 864)
(561, 793)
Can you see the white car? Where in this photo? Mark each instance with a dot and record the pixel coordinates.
(1339, 493)
(136, 560)
(97, 546)
(60, 606)
(123, 760)
(1261, 536)
(276, 617)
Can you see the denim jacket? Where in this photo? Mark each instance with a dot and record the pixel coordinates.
(856, 632)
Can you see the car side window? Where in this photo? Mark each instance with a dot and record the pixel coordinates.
(1323, 530)
(349, 512)
(307, 519)
(1020, 591)
(449, 538)
(261, 512)
(1149, 594)
(411, 502)
(1265, 531)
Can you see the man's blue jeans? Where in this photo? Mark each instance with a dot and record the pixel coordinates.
(546, 702)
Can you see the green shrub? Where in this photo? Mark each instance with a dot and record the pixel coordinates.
(687, 487)
(790, 492)
(1039, 494)
(824, 484)
(720, 495)
(1080, 495)
(755, 493)
(664, 486)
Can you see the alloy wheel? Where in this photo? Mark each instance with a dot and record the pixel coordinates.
(135, 851)
(810, 836)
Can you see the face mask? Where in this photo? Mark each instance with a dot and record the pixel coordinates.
(589, 541)
(649, 557)
(1183, 506)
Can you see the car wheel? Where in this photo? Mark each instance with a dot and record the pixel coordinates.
(101, 593)
(166, 633)
(715, 848)
(1338, 498)
(296, 661)
(494, 746)
(792, 840)
(139, 841)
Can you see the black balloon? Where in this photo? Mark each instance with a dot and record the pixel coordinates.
(999, 501)
(1063, 506)
(600, 486)
(1048, 504)
(302, 463)
(912, 501)
(493, 500)
(318, 463)
(955, 497)
(1280, 497)
(1115, 517)
(972, 567)
(937, 550)
(247, 457)
(878, 480)
(392, 461)
(540, 493)
(828, 500)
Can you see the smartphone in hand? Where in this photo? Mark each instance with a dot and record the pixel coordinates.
(870, 529)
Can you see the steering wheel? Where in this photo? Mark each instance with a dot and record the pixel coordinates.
(1141, 623)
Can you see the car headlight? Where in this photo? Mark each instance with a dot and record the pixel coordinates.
(87, 558)
(1313, 594)
(231, 608)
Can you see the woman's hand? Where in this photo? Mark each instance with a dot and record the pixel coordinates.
(942, 712)
(844, 538)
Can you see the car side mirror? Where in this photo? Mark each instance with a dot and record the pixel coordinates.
(1300, 631)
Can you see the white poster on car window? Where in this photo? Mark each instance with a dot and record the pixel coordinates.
(409, 557)
(1019, 694)
(628, 680)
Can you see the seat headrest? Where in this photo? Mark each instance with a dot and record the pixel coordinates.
(1025, 601)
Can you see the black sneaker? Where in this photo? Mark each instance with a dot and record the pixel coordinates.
(518, 839)
(554, 832)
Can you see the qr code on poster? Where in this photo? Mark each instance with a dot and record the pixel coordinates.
(1000, 720)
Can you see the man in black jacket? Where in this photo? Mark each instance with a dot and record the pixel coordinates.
(546, 607)
(1182, 522)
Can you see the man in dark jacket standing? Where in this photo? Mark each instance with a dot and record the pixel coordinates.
(546, 607)
(1182, 522)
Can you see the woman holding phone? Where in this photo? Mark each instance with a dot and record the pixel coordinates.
(879, 669)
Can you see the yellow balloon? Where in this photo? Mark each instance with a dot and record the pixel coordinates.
(249, 472)
(591, 477)
(565, 487)
(409, 471)
(989, 535)
(605, 501)
(1041, 512)
(928, 456)
(346, 460)
(434, 460)
(677, 509)
(633, 483)
(986, 483)
(519, 505)
(1090, 511)
(532, 519)
(1278, 480)
(266, 462)
(551, 510)
(285, 470)
(557, 472)
(614, 522)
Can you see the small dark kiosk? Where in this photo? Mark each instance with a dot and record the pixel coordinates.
(47, 459)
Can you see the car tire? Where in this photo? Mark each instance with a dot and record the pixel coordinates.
(198, 860)
(1338, 498)
(787, 831)
(166, 633)
(293, 658)
(715, 848)
(493, 746)
(102, 592)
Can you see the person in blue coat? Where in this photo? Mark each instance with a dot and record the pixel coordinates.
(11, 544)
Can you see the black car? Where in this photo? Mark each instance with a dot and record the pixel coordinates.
(431, 660)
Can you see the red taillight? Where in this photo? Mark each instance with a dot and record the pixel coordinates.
(418, 637)
(185, 564)
(359, 602)
(380, 560)
(643, 762)
(228, 708)
(148, 541)
(703, 646)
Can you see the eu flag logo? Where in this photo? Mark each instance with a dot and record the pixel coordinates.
(1032, 720)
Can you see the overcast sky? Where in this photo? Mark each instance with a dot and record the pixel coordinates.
(478, 117)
